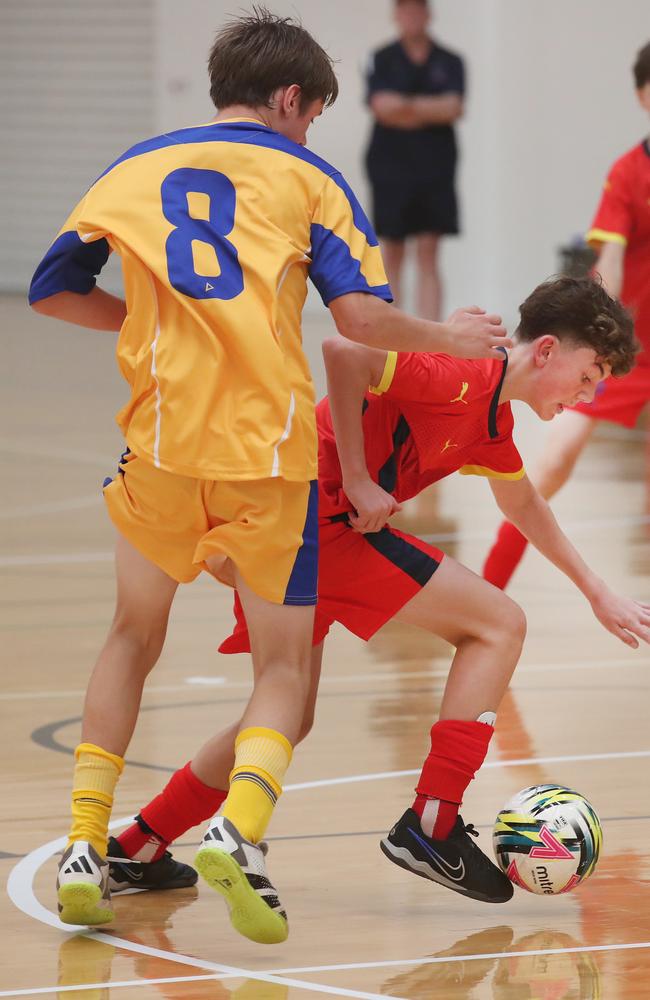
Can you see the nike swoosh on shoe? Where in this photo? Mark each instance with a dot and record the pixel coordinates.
(135, 875)
(454, 872)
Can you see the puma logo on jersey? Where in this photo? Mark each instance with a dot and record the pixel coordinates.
(460, 398)
(448, 444)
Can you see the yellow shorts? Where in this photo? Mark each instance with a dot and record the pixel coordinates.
(267, 527)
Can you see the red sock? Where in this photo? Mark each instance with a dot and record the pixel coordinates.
(504, 556)
(239, 641)
(184, 802)
(457, 751)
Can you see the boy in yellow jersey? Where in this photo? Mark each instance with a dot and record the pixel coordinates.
(218, 227)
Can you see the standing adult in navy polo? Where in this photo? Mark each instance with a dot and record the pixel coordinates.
(415, 93)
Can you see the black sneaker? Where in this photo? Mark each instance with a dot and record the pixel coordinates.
(166, 873)
(455, 862)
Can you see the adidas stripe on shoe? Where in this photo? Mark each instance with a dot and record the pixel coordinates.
(83, 893)
(236, 868)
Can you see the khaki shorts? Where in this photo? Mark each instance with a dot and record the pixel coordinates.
(267, 527)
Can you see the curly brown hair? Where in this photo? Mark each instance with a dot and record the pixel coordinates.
(580, 310)
(254, 55)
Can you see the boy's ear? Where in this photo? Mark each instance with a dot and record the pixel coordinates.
(543, 348)
(288, 98)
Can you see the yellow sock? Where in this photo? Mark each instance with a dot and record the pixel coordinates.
(95, 776)
(262, 757)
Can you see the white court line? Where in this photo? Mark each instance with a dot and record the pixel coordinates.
(102, 986)
(60, 454)
(573, 527)
(55, 507)
(522, 762)
(20, 889)
(568, 526)
(56, 559)
(433, 960)
(392, 676)
(442, 960)
(48, 695)
(207, 681)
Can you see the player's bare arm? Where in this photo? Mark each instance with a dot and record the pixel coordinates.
(351, 368)
(610, 266)
(468, 333)
(99, 310)
(520, 502)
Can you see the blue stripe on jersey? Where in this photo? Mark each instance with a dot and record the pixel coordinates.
(302, 588)
(70, 265)
(334, 271)
(253, 135)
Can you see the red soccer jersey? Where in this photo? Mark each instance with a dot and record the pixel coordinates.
(623, 216)
(431, 415)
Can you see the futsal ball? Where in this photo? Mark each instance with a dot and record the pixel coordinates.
(547, 839)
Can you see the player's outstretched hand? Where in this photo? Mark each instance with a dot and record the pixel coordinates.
(476, 334)
(628, 620)
(373, 505)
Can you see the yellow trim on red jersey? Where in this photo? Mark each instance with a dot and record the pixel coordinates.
(387, 375)
(481, 470)
(603, 236)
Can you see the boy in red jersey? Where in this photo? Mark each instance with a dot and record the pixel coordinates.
(428, 416)
(621, 233)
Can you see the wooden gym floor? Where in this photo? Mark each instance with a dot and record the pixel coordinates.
(577, 714)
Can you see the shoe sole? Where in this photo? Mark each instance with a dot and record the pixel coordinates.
(386, 848)
(118, 887)
(249, 914)
(182, 882)
(79, 903)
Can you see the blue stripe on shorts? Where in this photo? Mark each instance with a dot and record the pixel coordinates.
(302, 588)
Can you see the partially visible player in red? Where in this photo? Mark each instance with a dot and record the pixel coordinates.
(621, 233)
(428, 416)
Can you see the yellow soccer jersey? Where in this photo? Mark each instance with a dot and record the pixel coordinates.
(218, 227)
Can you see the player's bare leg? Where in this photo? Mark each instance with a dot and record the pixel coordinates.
(216, 758)
(231, 857)
(393, 252)
(135, 640)
(192, 795)
(281, 649)
(132, 648)
(429, 282)
(487, 629)
(569, 434)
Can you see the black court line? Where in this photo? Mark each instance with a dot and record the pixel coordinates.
(191, 844)
(45, 736)
(382, 833)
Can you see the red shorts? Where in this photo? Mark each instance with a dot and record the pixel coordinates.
(620, 399)
(363, 581)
